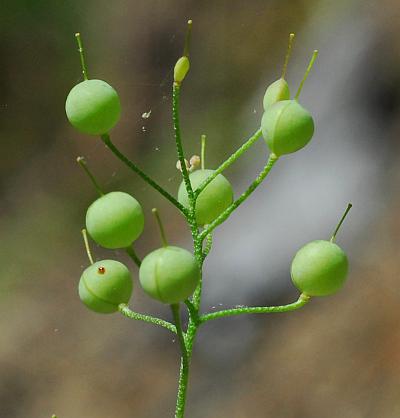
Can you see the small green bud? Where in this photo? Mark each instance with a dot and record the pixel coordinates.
(169, 274)
(181, 69)
(287, 127)
(277, 91)
(93, 107)
(115, 220)
(319, 268)
(104, 285)
(212, 201)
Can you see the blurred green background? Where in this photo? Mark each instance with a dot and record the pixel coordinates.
(339, 356)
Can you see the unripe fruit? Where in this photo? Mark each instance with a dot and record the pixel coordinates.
(115, 220)
(276, 92)
(104, 285)
(169, 274)
(287, 127)
(212, 201)
(93, 107)
(319, 268)
(181, 69)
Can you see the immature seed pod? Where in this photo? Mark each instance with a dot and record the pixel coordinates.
(169, 274)
(319, 268)
(287, 127)
(212, 201)
(276, 92)
(115, 220)
(93, 107)
(104, 285)
(181, 69)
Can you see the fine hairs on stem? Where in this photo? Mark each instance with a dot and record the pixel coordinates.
(202, 232)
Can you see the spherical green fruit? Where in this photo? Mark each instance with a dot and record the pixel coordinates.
(104, 285)
(115, 220)
(276, 92)
(212, 201)
(93, 107)
(169, 274)
(319, 268)
(287, 127)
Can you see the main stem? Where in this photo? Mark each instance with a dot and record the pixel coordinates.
(184, 369)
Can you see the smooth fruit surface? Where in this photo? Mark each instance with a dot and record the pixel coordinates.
(276, 92)
(115, 220)
(104, 285)
(169, 274)
(93, 107)
(287, 127)
(212, 201)
(319, 268)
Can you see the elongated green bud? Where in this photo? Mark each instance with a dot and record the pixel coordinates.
(181, 69)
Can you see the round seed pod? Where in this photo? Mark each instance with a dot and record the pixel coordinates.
(115, 220)
(104, 285)
(93, 107)
(287, 127)
(276, 92)
(319, 268)
(212, 201)
(169, 274)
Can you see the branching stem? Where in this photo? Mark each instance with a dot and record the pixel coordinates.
(107, 140)
(124, 310)
(272, 159)
(255, 137)
(303, 300)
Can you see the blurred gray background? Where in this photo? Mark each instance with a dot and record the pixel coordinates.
(339, 356)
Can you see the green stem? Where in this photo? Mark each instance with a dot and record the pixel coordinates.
(184, 369)
(229, 161)
(272, 159)
(178, 140)
(132, 254)
(124, 310)
(303, 300)
(193, 313)
(207, 248)
(107, 140)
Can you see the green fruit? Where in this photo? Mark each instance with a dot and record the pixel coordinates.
(287, 127)
(319, 268)
(115, 220)
(104, 285)
(181, 69)
(169, 274)
(93, 107)
(276, 92)
(212, 201)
